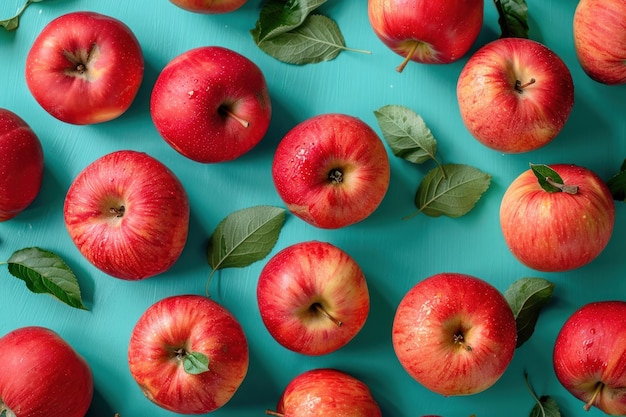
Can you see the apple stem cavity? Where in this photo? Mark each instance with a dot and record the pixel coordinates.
(226, 111)
(273, 413)
(519, 87)
(408, 56)
(566, 188)
(318, 308)
(596, 392)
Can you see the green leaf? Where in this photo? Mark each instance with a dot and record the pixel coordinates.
(527, 296)
(452, 195)
(317, 39)
(406, 133)
(245, 236)
(45, 272)
(280, 16)
(546, 407)
(617, 184)
(14, 22)
(195, 363)
(512, 18)
(550, 180)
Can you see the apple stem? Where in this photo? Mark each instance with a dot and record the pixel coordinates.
(321, 309)
(569, 189)
(408, 56)
(273, 413)
(519, 87)
(591, 402)
(228, 112)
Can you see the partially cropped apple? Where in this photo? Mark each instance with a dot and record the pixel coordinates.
(188, 354)
(42, 375)
(21, 165)
(209, 6)
(600, 39)
(128, 214)
(590, 356)
(454, 333)
(331, 170)
(211, 104)
(515, 95)
(85, 68)
(326, 392)
(430, 32)
(559, 228)
(313, 297)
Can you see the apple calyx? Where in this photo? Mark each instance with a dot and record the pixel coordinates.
(5, 411)
(566, 188)
(519, 87)
(118, 211)
(227, 112)
(80, 61)
(596, 392)
(317, 307)
(459, 339)
(335, 176)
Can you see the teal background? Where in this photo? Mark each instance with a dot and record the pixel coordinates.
(394, 253)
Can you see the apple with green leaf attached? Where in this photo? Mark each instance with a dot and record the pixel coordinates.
(430, 32)
(21, 165)
(454, 333)
(600, 39)
(557, 218)
(313, 297)
(188, 354)
(515, 95)
(590, 356)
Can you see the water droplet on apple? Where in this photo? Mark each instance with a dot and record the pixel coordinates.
(592, 331)
(191, 93)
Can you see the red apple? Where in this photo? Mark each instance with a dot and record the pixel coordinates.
(326, 392)
(21, 165)
(590, 356)
(557, 231)
(128, 214)
(600, 39)
(42, 375)
(209, 6)
(313, 297)
(211, 104)
(171, 339)
(515, 95)
(455, 334)
(85, 68)
(430, 32)
(331, 170)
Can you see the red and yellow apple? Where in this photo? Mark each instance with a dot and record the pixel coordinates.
(42, 375)
(557, 231)
(21, 165)
(331, 170)
(515, 95)
(169, 341)
(590, 356)
(211, 104)
(430, 32)
(313, 297)
(128, 214)
(600, 39)
(454, 333)
(85, 68)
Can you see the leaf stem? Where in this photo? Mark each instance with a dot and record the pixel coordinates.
(208, 282)
(532, 393)
(6, 22)
(569, 189)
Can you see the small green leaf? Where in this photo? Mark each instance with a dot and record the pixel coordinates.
(512, 18)
(280, 16)
(617, 184)
(45, 272)
(546, 407)
(196, 363)
(14, 22)
(317, 39)
(245, 236)
(550, 180)
(406, 133)
(452, 195)
(527, 296)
